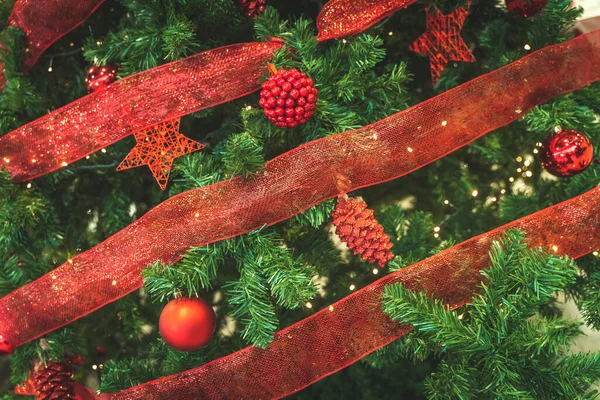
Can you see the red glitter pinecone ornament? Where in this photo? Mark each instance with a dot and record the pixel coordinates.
(357, 227)
(252, 8)
(288, 98)
(51, 381)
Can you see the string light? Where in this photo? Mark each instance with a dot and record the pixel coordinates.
(352, 287)
(436, 235)
(494, 198)
(103, 150)
(519, 170)
(555, 248)
(197, 215)
(475, 193)
(511, 179)
(535, 151)
(94, 367)
(409, 149)
(390, 33)
(436, 229)
(308, 304)
(503, 191)
(528, 174)
(527, 163)
(29, 185)
(519, 159)
(64, 163)
(330, 308)
(114, 283)
(375, 271)
(596, 253)
(446, 202)
(444, 123)
(527, 47)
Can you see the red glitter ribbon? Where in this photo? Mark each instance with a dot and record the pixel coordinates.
(339, 18)
(295, 181)
(46, 21)
(355, 326)
(133, 104)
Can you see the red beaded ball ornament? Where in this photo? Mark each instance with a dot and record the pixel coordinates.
(567, 153)
(100, 77)
(525, 8)
(289, 97)
(187, 324)
(252, 8)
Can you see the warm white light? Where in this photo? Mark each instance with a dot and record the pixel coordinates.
(596, 253)
(64, 163)
(390, 33)
(49, 69)
(528, 174)
(352, 287)
(527, 47)
(308, 305)
(527, 163)
(409, 149)
(114, 283)
(475, 193)
(535, 151)
(103, 150)
(555, 248)
(446, 202)
(436, 235)
(94, 367)
(494, 198)
(511, 179)
(375, 271)
(29, 186)
(444, 123)
(503, 191)
(436, 229)
(330, 308)
(197, 215)
(519, 159)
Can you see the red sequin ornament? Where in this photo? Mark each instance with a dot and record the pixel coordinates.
(100, 77)
(288, 98)
(566, 153)
(525, 8)
(157, 147)
(187, 324)
(357, 227)
(252, 8)
(442, 41)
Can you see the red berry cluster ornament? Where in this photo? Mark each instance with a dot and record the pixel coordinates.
(100, 77)
(357, 227)
(525, 8)
(187, 324)
(252, 8)
(52, 381)
(288, 98)
(566, 153)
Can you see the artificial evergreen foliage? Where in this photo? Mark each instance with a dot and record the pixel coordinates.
(481, 345)
(509, 343)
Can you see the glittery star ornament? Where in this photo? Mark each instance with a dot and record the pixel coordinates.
(157, 147)
(442, 41)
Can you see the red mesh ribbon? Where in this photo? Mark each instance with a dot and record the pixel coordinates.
(294, 182)
(339, 18)
(46, 21)
(133, 104)
(355, 326)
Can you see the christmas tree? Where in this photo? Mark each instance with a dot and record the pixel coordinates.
(335, 199)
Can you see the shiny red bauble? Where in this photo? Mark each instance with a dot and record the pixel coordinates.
(100, 77)
(289, 98)
(566, 153)
(525, 8)
(252, 8)
(187, 324)
(5, 347)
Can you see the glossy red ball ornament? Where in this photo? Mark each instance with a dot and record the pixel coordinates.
(100, 77)
(566, 153)
(525, 8)
(5, 347)
(187, 324)
(289, 97)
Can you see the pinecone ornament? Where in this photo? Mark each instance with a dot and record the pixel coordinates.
(51, 381)
(252, 8)
(289, 97)
(357, 227)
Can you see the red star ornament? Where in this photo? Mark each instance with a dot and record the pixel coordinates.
(157, 147)
(442, 40)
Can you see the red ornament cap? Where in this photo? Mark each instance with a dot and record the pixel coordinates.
(288, 98)
(187, 324)
(525, 8)
(98, 77)
(566, 153)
